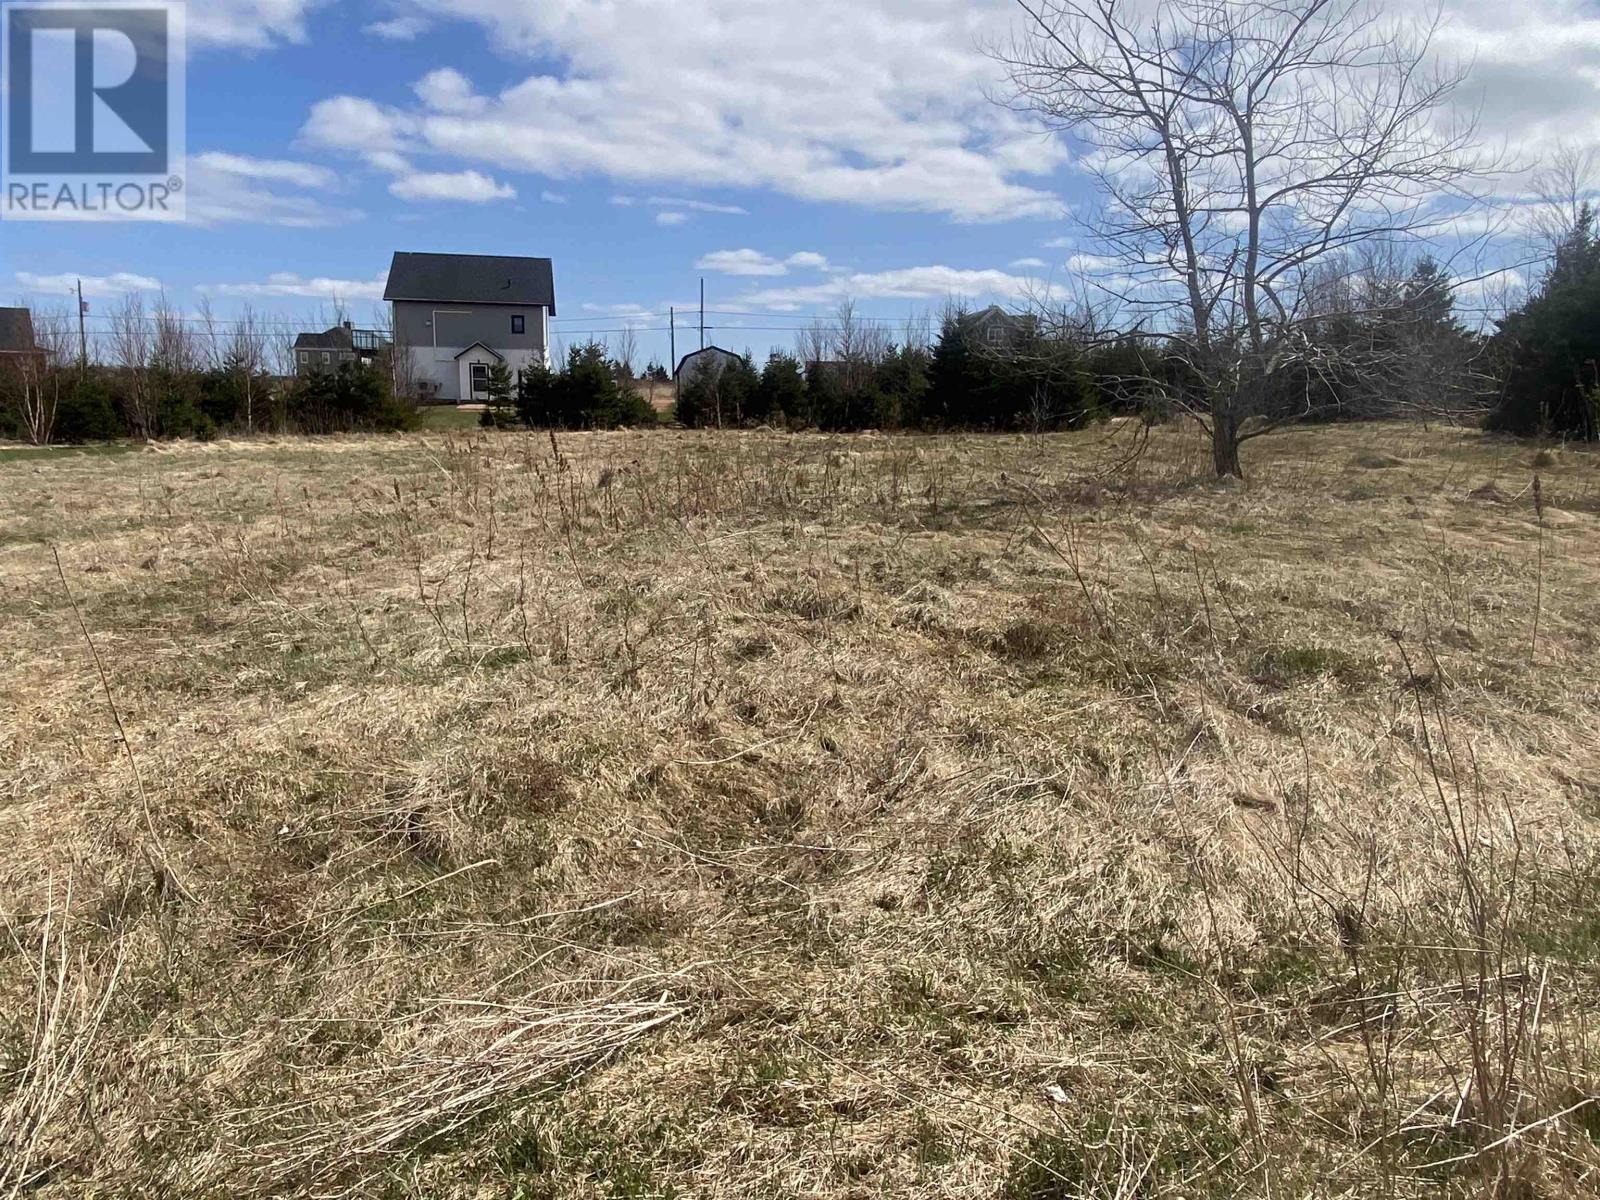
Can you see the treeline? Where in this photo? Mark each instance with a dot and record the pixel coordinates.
(171, 377)
(1372, 344)
(1377, 338)
(1548, 350)
(988, 370)
(100, 403)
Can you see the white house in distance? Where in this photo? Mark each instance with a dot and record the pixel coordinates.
(457, 315)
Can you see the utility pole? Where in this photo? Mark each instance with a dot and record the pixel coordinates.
(702, 312)
(672, 318)
(83, 334)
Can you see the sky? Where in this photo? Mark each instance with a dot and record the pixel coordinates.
(790, 154)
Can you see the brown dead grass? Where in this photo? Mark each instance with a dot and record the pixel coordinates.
(676, 814)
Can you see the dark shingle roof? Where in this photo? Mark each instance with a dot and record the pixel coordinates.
(337, 338)
(16, 330)
(472, 279)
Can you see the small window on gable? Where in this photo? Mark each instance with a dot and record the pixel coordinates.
(519, 324)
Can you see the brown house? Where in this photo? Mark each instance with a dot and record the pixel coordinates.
(18, 350)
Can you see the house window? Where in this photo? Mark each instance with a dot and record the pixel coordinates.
(519, 324)
(996, 335)
(305, 358)
(480, 377)
(327, 356)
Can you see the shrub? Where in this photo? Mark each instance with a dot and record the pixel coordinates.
(355, 397)
(586, 395)
(85, 412)
(782, 392)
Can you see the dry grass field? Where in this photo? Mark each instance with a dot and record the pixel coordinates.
(694, 815)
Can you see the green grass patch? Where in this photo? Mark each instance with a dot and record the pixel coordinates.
(440, 418)
(44, 454)
(1109, 1155)
(1284, 666)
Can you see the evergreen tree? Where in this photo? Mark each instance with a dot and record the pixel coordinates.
(1552, 344)
(955, 380)
(501, 411)
(86, 413)
(536, 397)
(781, 395)
(721, 394)
(586, 395)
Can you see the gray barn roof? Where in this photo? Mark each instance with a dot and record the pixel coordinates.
(715, 351)
(472, 279)
(16, 331)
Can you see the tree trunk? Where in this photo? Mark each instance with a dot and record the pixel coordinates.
(1225, 441)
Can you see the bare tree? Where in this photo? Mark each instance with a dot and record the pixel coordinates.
(131, 349)
(35, 379)
(814, 343)
(175, 348)
(212, 349)
(401, 359)
(1236, 145)
(1563, 186)
(627, 353)
(246, 359)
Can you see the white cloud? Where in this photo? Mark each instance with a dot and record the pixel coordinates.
(390, 161)
(268, 170)
(399, 29)
(866, 102)
(354, 124)
(231, 189)
(1093, 264)
(249, 24)
(466, 187)
(286, 285)
(911, 283)
(671, 219)
(618, 310)
(99, 286)
(740, 262)
(1024, 264)
(755, 263)
(679, 206)
(449, 91)
(550, 197)
(701, 206)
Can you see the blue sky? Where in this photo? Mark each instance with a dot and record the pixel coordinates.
(792, 154)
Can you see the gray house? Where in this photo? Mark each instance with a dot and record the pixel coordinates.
(995, 329)
(327, 351)
(456, 315)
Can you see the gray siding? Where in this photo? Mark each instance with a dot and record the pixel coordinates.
(311, 362)
(437, 332)
(460, 325)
